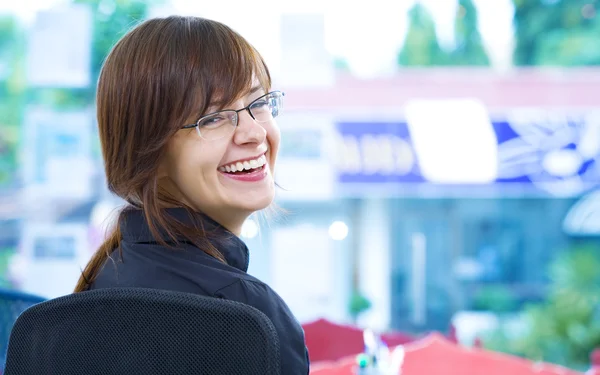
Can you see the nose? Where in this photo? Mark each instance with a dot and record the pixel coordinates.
(249, 130)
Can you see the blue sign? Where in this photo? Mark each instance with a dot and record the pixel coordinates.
(558, 155)
(379, 152)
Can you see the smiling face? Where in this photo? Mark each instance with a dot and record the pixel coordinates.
(205, 173)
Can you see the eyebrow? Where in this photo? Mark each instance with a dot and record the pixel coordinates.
(212, 104)
(254, 89)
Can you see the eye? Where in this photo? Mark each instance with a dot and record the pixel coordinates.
(213, 121)
(259, 104)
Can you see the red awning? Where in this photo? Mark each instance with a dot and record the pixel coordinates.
(327, 341)
(435, 355)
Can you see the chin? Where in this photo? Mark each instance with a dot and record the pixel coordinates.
(256, 204)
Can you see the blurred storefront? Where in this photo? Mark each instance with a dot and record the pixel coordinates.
(452, 203)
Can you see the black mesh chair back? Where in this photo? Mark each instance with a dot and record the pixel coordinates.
(12, 304)
(131, 331)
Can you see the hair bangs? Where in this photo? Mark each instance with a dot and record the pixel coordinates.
(233, 67)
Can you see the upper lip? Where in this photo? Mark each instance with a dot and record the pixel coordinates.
(243, 160)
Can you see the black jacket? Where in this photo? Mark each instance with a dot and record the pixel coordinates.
(146, 264)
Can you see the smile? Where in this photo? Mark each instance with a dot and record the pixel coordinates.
(244, 166)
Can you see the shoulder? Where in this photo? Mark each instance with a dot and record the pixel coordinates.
(247, 289)
(154, 266)
(256, 293)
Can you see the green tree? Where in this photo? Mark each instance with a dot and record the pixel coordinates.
(566, 327)
(112, 19)
(557, 32)
(469, 48)
(12, 96)
(421, 47)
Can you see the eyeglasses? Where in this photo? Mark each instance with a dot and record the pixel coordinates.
(223, 123)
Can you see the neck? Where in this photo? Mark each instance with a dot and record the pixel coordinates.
(231, 221)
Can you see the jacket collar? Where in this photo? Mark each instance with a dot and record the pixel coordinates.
(135, 229)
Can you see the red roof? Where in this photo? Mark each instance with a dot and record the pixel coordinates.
(549, 88)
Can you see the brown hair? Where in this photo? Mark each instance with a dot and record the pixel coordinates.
(160, 74)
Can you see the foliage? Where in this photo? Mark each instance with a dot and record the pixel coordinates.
(496, 298)
(547, 33)
(12, 97)
(112, 19)
(565, 328)
(469, 48)
(421, 46)
(358, 304)
(557, 32)
(6, 254)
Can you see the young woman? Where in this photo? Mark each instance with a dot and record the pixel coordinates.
(186, 116)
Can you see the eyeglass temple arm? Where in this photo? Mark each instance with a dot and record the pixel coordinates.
(238, 111)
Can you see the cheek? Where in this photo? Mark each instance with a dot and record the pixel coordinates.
(187, 161)
(197, 162)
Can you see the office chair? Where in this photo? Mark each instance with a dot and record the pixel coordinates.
(133, 331)
(12, 304)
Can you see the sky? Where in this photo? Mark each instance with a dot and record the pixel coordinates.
(366, 34)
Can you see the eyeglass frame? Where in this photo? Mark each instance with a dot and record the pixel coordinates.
(237, 111)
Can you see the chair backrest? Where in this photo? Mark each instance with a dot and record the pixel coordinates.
(12, 304)
(134, 331)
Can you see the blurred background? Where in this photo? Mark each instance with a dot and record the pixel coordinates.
(439, 165)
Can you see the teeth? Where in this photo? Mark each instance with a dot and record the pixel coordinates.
(247, 165)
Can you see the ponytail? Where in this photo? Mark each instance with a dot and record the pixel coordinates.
(91, 270)
(166, 230)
